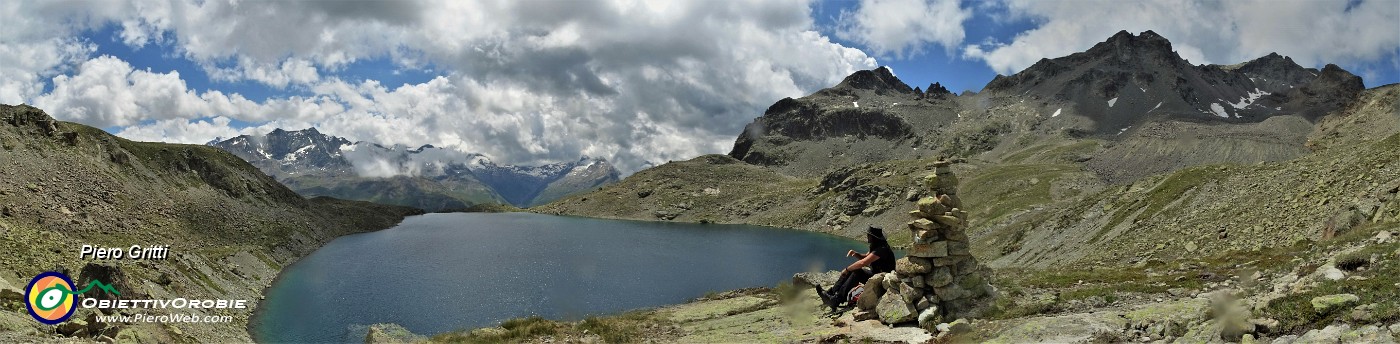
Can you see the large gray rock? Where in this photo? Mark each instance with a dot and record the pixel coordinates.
(941, 276)
(815, 278)
(910, 266)
(911, 294)
(1368, 334)
(891, 282)
(956, 327)
(930, 250)
(72, 328)
(874, 289)
(929, 316)
(894, 310)
(391, 333)
(1329, 334)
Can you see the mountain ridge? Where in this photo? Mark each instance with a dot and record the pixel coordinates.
(1132, 92)
(425, 177)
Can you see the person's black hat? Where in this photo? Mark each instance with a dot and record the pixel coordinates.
(874, 233)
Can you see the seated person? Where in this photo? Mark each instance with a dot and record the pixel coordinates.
(879, 259)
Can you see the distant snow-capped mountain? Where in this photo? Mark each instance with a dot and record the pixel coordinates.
(427, 177)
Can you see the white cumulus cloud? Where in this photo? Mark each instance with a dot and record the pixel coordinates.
(638, 82)
(905, 28)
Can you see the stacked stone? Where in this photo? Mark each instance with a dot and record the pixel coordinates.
(939, 278)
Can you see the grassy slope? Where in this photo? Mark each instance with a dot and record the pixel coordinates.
(231, 228)
(1218, 208)
(1039, 175)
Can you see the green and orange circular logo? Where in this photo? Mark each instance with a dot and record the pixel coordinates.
(50, 297)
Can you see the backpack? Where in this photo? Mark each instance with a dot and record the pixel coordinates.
(854, 295)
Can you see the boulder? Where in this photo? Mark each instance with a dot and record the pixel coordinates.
(956, 327)
(1368, 334)
(929, 316)
(1329, 334)
(1328, 303)
(815, 278)
(874, 289)
(894, 310)
(929, 206)
(941, 276)
(72, 328)
(391, 333)
(929, 250)
(910, 293)
(923, 224)
(891, 283)
(910, 266)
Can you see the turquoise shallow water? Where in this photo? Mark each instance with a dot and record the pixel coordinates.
(442, 272)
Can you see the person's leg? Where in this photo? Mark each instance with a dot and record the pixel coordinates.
(839, 281)
(852, 279)
(829, 295)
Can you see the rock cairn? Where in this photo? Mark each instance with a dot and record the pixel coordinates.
(938, 279)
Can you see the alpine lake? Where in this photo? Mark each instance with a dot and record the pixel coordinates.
(436, 273)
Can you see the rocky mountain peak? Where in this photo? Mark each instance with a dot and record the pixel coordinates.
(1278, 67)
(878, 80)
(1125, 46)
(936, 89)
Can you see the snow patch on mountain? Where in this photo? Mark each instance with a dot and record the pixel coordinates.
(1218, 110)
(1112, 101)
(1249, 99)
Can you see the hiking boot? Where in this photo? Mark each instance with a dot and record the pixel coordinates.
(829, 300)
(822, 294)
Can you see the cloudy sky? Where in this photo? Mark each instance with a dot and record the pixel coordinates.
(637, 82)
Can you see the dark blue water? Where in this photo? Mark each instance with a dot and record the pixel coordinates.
(442, 272)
